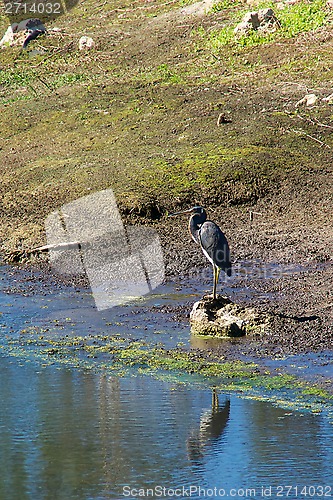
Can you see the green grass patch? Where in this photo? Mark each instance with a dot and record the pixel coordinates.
(167, 74)
(69, 79)
(293, 19)
(303, 17)
(226, 5)
(221, 175)
(14, 77)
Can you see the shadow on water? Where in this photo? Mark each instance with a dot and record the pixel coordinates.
(300, 319)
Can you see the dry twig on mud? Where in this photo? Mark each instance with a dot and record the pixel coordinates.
(144, 7)
(314, 121)
(301, 132)
(56, 51)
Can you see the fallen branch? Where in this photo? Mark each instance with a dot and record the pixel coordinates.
(314, 121)
(57, 246)
(55, 52)
(252, 213)
(301, 132)
(23, 255)
(144, 7)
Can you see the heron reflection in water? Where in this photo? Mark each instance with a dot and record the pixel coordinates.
(212, 425)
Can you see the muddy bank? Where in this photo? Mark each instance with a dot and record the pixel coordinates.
(282, 265)
(297, 297)
(282, 260)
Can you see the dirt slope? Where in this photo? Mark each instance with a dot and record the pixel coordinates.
(140, 114)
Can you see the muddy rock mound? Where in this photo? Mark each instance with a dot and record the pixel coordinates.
(223, 318)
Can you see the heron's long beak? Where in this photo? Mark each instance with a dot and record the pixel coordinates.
(182, 212)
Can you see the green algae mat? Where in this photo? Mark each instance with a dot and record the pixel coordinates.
(115, 355)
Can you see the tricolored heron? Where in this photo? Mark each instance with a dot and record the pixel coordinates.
(212, 241)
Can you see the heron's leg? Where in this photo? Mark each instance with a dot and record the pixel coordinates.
(216, 278)
(214, 286)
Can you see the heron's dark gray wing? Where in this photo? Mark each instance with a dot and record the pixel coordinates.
(215, 246)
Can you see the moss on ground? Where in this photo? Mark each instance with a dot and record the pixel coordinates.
(138, 113)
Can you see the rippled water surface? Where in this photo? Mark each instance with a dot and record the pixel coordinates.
(67, 434)
(78, 434)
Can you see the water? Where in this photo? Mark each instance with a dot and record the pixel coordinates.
(70, 433)
(81, 435)
(57, 311)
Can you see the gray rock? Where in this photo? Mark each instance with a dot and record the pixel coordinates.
(223, 318)
(266, 16)
(262, 19)
(30, 25)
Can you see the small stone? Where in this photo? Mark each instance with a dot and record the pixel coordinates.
(308, 100)
(280, 5)
(86, 43)
(328, 99)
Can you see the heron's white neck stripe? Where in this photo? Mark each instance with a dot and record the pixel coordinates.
(208, 257)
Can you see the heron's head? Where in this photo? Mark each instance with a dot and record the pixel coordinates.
(197, 218)
(194, 210)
